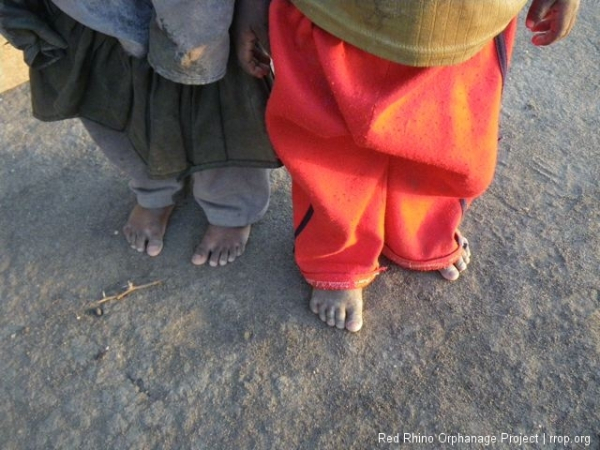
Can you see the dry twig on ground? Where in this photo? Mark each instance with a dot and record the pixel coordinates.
(130, 288)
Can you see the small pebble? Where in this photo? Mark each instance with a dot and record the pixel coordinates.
(98, 311)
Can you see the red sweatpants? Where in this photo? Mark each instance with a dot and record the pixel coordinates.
(384, 158)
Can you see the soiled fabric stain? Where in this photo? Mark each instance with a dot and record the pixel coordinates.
(186, 41)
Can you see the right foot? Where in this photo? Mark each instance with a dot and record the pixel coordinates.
(341, 309)
(146, 228)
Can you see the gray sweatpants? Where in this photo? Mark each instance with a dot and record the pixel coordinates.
(230, 196)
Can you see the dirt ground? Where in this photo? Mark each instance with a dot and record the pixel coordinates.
(232, 357)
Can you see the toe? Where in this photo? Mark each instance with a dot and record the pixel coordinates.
(239, 250)
(323, 313)
(224, 257)
(154, 247)
(467, 254)
(215, 257)
(450, 273)
(314, 305)
(464, 243)
(132, 240)
(340, 318)
(354, 321)
(140, 242)
(461, 264)
(129, 235)
(233, 254)
(200, 256)
(331, 313)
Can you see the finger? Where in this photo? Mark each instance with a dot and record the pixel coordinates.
(537, 12)
(542, 27)
(246, 48)
(257, 69)
(543, 39)
(261, 55)
(557, 24)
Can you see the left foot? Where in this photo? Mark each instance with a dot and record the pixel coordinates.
(221, 245)
(453, 271)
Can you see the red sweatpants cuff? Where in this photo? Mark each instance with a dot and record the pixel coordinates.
(424, 265)
(342, 281)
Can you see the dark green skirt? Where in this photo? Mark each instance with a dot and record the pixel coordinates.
(175, 128)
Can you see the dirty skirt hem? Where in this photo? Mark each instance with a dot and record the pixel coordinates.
(176, 129)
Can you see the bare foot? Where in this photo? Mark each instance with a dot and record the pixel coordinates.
(221, 245)
(342, 309)
(453, 272)
(146, 228)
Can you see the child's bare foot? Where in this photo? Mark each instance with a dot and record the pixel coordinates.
(221, 245)
(453, 272)
(342, 309)
(146, 228)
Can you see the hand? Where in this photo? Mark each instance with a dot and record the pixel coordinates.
(252, 56)
(251, 36)
(551, 20)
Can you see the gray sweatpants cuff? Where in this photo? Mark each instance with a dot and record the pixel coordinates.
(233, 196)
(225, 217)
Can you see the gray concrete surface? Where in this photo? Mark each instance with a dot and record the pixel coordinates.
(232, 357)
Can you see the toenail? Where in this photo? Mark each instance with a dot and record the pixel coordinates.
(465, 245)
